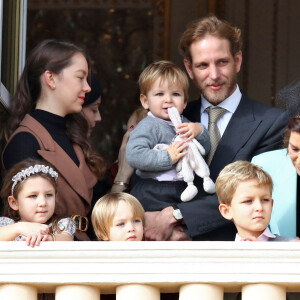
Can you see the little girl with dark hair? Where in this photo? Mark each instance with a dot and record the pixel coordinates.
(30, 189)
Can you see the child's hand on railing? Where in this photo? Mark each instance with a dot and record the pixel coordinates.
(35, 239)
(33, 233)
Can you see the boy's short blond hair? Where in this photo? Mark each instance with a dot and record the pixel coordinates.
(165, 70)
(105, 210)
(235, 173)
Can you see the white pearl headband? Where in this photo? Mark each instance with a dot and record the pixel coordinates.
(24, 174)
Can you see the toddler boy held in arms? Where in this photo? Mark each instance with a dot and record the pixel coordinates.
(162, 85)
(245, 195)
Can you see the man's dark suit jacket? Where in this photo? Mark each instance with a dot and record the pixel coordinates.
(253, 129)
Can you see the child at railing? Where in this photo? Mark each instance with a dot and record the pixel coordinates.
(118, 217)
(245, 196)
(30, 190)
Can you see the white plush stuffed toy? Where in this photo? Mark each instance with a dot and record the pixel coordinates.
(190, 163)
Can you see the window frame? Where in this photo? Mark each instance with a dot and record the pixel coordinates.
(18, 13)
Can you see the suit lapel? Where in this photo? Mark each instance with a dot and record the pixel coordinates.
(195, 112)
(239, 129)
(55, 155)
(192, 111)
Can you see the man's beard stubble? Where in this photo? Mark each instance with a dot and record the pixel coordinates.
(217, 99)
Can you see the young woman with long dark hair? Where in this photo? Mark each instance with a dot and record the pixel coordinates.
(46, 123)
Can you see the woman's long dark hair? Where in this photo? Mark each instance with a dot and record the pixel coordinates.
(77, 130)
(54, 56)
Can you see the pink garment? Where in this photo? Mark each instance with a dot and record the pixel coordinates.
(264, 237)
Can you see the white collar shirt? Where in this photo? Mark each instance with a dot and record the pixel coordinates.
(264, 237)
(230, 104)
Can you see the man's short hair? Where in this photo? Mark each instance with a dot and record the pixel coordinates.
(198, 29)
(235, 173)
(165, 70)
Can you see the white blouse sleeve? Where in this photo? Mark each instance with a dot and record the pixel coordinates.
(67, 225)
(6, 221)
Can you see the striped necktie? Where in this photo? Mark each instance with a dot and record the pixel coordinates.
(214, 114)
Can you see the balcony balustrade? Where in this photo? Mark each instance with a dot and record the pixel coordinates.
(144, 270)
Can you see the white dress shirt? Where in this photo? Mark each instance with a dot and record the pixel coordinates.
(230, 104)
(264, 237)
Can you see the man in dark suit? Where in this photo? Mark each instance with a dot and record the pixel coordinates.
(212, 56)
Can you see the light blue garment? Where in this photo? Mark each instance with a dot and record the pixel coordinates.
(279, 165)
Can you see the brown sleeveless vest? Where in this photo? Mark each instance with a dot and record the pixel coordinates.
(74, 184)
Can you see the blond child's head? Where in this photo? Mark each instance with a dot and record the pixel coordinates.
(162, 85)
(245, 195)
(235, 173)
(118, 217)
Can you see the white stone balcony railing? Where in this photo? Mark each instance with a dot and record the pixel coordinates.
(144, 270)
